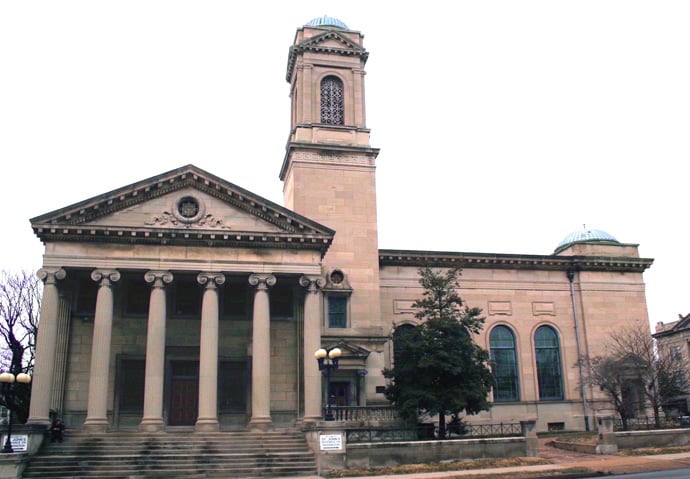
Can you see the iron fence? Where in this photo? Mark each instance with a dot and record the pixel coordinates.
(429, 432)
(647, 423)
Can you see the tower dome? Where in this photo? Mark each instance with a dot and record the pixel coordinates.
(326, 21)
(586, 235)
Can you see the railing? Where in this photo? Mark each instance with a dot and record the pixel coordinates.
(364, 413)
(502, 429)
(429, 432)
(647, 423)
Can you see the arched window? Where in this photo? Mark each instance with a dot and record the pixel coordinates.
(548, 356)
(504, 364)
(399, 333)
(332, 101)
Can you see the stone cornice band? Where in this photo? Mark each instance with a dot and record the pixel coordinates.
(511, 261)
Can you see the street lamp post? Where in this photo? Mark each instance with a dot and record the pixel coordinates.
(8, 381)
(328, 360)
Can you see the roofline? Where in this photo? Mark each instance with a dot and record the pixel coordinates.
(419, 258)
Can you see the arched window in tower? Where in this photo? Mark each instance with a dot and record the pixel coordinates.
(504, 364)
(547, 352)
(332, 101)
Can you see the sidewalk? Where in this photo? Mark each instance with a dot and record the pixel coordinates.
(563, 460)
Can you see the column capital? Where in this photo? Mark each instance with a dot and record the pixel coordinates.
(211, 280)
(51, 275)
(158, 278)
(262, 281)
(312, 282)
(105, 276)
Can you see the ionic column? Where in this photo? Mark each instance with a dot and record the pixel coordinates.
(97, 408)
(312, 342)
(61, 348)
(207, 420)
(44, 367)
(261, 352)
(152, 420)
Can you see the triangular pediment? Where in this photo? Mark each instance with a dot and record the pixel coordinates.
(329, 40)
(353, 356)
(332, 42)
(183, 206)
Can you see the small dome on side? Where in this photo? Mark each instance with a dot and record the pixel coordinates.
(586, 235)
(326, 21)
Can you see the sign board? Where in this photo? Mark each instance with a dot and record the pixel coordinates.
(331, 442)
(19, 442)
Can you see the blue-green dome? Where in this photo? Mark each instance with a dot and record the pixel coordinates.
(326, 21)
(586, 235)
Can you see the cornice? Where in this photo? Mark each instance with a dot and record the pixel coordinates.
(176, 237)
(512, 261)
(315, 44)
(323, 147)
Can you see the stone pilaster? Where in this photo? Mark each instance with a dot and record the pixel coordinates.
(97, 411)
(207, 419)
(261, 352)
(312, 342)
(44, 368)
(152, 420)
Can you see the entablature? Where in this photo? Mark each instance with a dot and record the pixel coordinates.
(512, 261)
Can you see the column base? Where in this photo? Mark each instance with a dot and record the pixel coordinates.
(152, 425)
(260, 424)
(95, 425)
(40, 421)
(311, 419)
(207, 425)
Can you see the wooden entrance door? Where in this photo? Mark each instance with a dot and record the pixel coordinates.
(340, 393)
(184, 393)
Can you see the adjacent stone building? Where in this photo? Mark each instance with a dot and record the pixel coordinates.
(185, 300)
(673, 339)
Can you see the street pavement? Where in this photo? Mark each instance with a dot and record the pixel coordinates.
(563, 460)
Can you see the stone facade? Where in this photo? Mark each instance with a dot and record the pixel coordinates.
(184, 300)
(674, 339)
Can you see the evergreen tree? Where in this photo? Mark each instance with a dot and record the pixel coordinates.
(438, 369)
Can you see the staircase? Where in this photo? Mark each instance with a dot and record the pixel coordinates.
(174, 455)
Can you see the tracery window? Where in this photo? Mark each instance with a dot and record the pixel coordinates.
(332, 101)
(504, 364)
(547, 352)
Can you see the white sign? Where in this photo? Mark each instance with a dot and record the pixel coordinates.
(19, 442)
(331, 442)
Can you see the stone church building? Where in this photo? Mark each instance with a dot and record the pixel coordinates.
(184, 300)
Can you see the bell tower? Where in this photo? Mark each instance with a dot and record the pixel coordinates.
(329, 168)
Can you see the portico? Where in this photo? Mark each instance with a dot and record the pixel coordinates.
(171, 316)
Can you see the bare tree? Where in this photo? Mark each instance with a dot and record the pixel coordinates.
(612, 378)
(633, 358)
(20, 304)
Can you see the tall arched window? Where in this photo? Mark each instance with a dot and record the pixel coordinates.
(548, 356)
(504, 364)
(332, 101)
(400, 332)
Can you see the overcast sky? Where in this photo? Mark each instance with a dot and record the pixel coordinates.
(503, 125)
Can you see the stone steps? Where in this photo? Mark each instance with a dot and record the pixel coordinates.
(172, 455)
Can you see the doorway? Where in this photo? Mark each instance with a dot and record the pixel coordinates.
(184, 393)
(340, 393)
